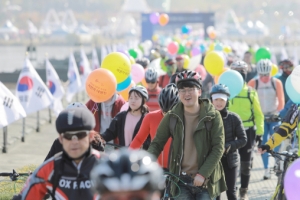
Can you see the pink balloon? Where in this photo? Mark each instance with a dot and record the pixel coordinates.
(154, 17)
(201, 70)
(124, 107)
(173, 48)
(137, 73)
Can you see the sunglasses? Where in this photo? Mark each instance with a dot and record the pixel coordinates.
(152, 82)
(75, 135)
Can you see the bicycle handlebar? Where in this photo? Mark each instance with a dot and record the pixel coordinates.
(14, 175)
(285, 153)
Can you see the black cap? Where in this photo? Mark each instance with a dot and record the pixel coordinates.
(169, 62)
(75, 119)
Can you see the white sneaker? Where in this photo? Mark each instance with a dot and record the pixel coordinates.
(267, 174)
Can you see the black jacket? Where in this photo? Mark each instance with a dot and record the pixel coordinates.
(55, 148)
(235, 136)
(116, 129)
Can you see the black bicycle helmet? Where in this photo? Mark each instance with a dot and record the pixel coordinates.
(143, 61)
(220, 88)
(168, 97)
(151, 75)
(189, 76)
(140, 89)
(127, 170)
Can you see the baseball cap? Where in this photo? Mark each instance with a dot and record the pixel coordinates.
(75, 119)
(219, 96)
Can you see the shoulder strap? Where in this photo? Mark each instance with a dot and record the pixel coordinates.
(273, 83)
(256, 84)
(172, 124)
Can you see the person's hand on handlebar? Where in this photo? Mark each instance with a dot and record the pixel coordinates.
(263, 148)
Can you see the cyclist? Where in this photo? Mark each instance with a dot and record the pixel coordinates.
(179, 63)
(151, 77)
(271, 98)
(126, 124)
(198, 142)
(168, 97)
(251, 71)
(57, 146)
(127, 175)
(289, 124)
(235, 137)
(143, 61)
(246, 105)
(171, 68)
(66, 175)
(287, 67)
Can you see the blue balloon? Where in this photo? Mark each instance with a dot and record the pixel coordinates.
(202, 48)
(291, 91)
(219, 47)
(123, 85)
(185, 29)
(233, 80)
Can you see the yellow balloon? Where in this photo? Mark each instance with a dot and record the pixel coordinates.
(211, 47)
(214, 63)
(274, 70)
(154, 38)
(119, 64)
(227, 49)
(132, 61)
(186, 61)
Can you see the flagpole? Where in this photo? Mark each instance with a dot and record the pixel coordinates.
(4, 139)
(23, 130)
(50, 116)
(38, 121)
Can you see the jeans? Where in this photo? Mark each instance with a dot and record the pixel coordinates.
(268, 131)
(192, 193)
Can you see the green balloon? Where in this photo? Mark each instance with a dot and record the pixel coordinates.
(181, 49)
(133, 53)
(262, 53)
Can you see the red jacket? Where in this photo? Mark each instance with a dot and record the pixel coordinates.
(163, 80)
(152, 102)
(149, 126)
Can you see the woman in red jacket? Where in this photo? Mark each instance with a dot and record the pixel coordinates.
(168, 97)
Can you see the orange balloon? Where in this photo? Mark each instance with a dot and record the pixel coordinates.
(125, 93)
(101, 85)
(163, 19)
(212, 35)
(144, 83)
(216, 78)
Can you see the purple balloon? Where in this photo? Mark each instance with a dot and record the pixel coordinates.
(196, 51)
(124, 52)
(292, 181)
(154, 17)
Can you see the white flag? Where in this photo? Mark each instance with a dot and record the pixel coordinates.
(95, 60)
(85, 69)
(57, 106)
(296, 58)
(31, 90)
(53, 81)
(11, 109)
(103, 52)
(74, 79)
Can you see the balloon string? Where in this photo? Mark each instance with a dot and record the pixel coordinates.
(95, 109)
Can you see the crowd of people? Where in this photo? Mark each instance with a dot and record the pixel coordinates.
(191, 129)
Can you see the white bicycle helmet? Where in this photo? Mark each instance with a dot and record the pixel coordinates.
(264, 66)
(239, 65)
(151, 75)
(76, 105)
(140, 89)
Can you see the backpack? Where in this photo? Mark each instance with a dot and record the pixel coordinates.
(272, 82)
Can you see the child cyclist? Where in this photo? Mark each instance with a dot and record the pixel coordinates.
(235, 137)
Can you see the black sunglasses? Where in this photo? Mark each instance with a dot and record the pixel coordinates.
(75, 135)
(151, 82)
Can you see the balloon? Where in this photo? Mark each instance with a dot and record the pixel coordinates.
(212, 35)
(214, 63)
(118, 64)
(186, 61)
(274, 70)
(163, 19)
(132, 61)
(123, 85)
(133, 53)
(124, 52)
(217, 77)
(292, 181)
(144, 83)
(227, 49)
(291, 91)
(211, 47)
(295, 78)
(195, 51)
(185, 29)
(154, 17)
(219, 47)
(137, 73)
(201, 70)
(181, 49)
(155, 38)
(262, 53)
(125, 93)
(101, 85)
(173, 48)
(124, 107)
(209, 29)
(233, 80)
(203, 48)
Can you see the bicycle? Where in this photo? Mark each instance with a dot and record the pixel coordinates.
(6, 188)
(289, 157)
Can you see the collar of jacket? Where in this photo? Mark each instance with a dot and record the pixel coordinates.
(207, 110)
(65, 156)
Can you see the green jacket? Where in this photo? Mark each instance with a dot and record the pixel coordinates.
(210, 146)
(248, 108)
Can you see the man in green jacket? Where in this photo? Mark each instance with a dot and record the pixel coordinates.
(198, 142)
(246, 105)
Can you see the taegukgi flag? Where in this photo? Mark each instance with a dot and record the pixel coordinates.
(84, 68)
(74, 85)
